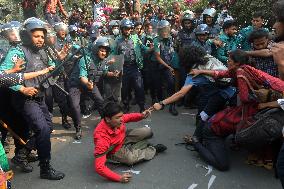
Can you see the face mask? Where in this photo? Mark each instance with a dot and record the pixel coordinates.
(115, 31)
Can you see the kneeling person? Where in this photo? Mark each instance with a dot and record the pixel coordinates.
(113, 141)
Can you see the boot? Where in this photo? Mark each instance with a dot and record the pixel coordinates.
(78, 134)
(32, 157)
(20, 159)
(172, 110)
(65, 122)
(47, 172)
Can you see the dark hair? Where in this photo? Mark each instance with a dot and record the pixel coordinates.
(211, 2)
(110, 109)
(198, 10)
(239, 56)
(162, 11)
(147, 24)
(228, 24)
(278, 10)
(257, 34)
(136, 11)
(193, 56)
(258, 14)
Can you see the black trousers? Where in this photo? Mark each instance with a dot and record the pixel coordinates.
(36, 114)
(75, 97)
(213, 150)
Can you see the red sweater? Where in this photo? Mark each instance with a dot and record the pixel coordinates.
(104, 137)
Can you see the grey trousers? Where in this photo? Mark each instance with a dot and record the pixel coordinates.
(136, 148)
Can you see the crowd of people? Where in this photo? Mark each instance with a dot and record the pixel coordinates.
(111, 62)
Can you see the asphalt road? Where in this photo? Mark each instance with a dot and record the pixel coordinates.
(177, 168)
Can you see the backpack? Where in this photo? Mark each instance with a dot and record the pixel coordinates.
(262, 128)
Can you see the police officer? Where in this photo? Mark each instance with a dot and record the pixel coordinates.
(85, 77)
(185, 35)
(202, 38)
(28, 99)
(113, 27)
(209, 18)
(10, 31)
(131, 47)
(167, 59)
(61, 44)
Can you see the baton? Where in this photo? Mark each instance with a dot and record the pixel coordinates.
(12, 132)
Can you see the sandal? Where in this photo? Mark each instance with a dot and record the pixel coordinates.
(188, 142)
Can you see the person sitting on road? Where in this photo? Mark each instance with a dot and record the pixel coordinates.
(212, 96)
(128, 146)
(224, 123)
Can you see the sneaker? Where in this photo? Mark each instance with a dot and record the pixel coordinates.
(85, 116)
(160, 148)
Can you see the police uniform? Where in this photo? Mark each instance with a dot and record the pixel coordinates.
(230, 43)
(92, 69)
(131, 48)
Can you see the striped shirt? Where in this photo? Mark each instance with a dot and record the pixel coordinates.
(51, 5)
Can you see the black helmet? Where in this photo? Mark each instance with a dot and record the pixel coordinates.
(101, 42)
(30, 25)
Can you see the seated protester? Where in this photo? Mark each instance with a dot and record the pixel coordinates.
(262, 60)
(224, 123)
(212, 97)
(114, 141)
(243, 36)
(229, 40)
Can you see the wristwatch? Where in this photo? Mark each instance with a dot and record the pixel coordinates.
(162, 104)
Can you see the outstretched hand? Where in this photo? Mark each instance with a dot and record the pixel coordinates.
(147, 112)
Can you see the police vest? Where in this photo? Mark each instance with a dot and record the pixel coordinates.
(185, 38)
(96, 71)
(35, 61)
(167, 50)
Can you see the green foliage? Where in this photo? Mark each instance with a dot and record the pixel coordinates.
(243, 10)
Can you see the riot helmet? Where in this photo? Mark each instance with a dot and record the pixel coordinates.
(101, 42)
(11, 31)
(164, 29)
(27, 30)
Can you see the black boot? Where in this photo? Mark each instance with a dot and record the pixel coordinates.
(172, 110)
(32, 157)
(20, 159)
(65, 122)
(47, 172)
(78, 134)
